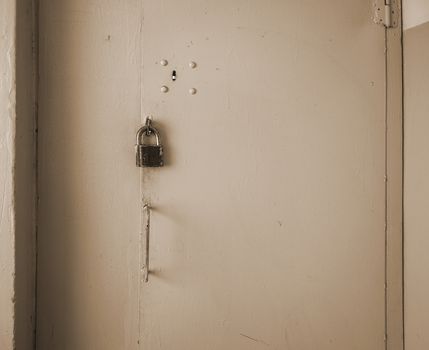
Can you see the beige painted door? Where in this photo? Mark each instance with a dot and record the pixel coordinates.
(268, 220)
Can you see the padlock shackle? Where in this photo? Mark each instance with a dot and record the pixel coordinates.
(142, 132)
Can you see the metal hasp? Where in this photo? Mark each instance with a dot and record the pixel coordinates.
(148, 155)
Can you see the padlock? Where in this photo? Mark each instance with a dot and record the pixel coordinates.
(148, 155)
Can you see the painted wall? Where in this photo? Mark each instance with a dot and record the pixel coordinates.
(416, 192)
(7, 156)
(415, 12)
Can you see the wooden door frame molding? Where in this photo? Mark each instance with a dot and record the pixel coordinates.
(18, 53)
(394, 189)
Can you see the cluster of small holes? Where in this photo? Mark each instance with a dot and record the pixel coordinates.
(164, 88)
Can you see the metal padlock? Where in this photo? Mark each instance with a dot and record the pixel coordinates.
(148, 155)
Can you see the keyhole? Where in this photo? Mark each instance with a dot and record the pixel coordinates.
(173, 76)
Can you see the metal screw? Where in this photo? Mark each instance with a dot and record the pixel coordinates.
(192, 91)
(164, 89)
(163, 62)
(192, 65)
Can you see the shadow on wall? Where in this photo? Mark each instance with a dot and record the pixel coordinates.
(89, 199)
(25, 176)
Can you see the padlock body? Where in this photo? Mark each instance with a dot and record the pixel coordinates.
(149, 156)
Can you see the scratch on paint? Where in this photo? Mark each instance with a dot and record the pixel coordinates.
(287, 339)
(255, 340)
